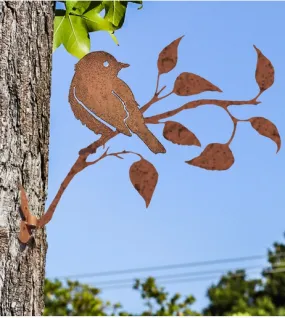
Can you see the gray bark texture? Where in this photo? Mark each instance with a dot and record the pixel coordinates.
(26, 29)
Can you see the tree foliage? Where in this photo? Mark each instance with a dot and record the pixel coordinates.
(233, 295)
(73, 24)
(76, 299)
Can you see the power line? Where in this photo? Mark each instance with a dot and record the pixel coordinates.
(195, 279)
(185, 274)
(164, 267)
(163, 282)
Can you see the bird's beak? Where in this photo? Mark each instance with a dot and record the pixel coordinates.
(123, 65)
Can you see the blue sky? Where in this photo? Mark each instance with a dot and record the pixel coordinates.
(101, 222)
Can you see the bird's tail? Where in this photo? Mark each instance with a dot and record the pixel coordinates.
(150, 140)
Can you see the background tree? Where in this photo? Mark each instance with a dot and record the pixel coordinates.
(236, 294)
(233, 295)
(26, 42)
(76, 299)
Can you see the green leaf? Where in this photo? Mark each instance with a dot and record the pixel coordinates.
(114, 38)
(138, 2)
(69, 6)
(58, 30)
(77, 7)
(71, 26)
(115, 12)
(75, 36)
(97, 6)
(95, 22)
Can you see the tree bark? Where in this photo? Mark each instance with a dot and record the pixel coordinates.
(26, 29)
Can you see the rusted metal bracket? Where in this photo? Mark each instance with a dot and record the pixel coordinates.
(29, 221)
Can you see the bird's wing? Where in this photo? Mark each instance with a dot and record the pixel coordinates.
(86, 116)
(100, 101)
(135, 118)
(121, 89)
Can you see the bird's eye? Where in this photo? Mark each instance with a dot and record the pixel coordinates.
(106, 63)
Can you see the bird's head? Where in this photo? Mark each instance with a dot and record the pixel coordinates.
(101, 62)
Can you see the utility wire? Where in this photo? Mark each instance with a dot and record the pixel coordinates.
(218, 271)
(123, 286)
(197, 279)
(164, 267)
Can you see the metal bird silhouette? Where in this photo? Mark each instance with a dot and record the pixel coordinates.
(96, 92)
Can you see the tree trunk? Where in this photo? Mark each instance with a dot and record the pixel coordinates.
(26, 29)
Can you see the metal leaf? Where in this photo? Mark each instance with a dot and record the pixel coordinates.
(214, 157)
(179, 134)
(266, 128)
(144, 177)
(168, 57)
(264, 73)
(187, 84)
